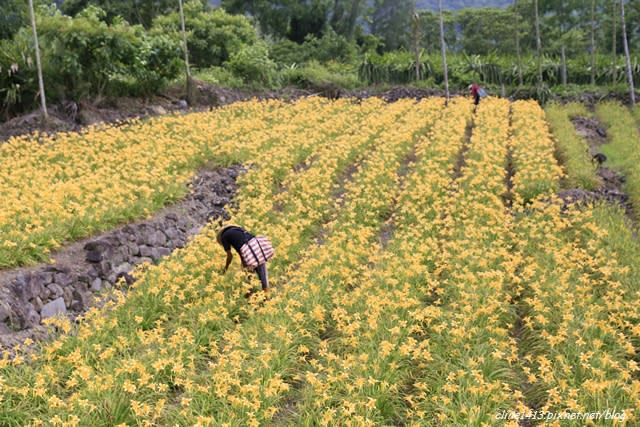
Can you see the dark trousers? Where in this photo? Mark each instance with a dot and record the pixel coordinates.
(261, 271)
(476, 99)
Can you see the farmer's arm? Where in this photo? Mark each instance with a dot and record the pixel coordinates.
(229, 258)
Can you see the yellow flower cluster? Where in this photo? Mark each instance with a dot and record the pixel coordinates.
(59, 189)
(537, 172)
(406, 286)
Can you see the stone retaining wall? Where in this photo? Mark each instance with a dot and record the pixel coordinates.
(69, 287)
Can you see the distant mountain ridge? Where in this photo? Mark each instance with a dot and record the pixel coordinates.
(462, 4)
(446, 4)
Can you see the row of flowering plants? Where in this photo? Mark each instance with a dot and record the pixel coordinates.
(272, 354)
(156, 321)
(59, 189)
(577, 301)
(532, 148)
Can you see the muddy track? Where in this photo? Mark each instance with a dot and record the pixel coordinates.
(83, 269)
(611, 189)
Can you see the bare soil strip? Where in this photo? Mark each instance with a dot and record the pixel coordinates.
(81, 270)
(611, 191)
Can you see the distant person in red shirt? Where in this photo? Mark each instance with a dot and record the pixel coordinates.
(475, 92)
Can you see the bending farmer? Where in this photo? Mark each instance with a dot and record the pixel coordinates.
(254, 251)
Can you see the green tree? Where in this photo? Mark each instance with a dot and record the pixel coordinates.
(213, 36)
(345, 14)
(485, 30)
(391, 21)
(14, 14)
(141, 12)
(290, 19)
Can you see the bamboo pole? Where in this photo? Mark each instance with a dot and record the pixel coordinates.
(443, 48)
(186, 55)
(632, 92)
(538, 43)
(43, 99)
(593, 42)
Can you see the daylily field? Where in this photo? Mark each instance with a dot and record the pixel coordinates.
(425, 273)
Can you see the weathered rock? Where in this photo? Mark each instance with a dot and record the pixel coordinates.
(19, 287)
(84, 278)
(67, 295)
(31, 318)
(56, 290)
(57, 269)
(146, 252)
(158, 109)
(161, 252)
(63, 279)
(123, 268)
(53, 308)
(37, 303)
(96, 285)
(5, 311)
(47, 277)
(85, 297)
(94, 256)
(156, 238)
(172, 233)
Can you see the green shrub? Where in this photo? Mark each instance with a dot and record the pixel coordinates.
(329, 47)
(316, 76)
(219, 76)
(18, 82)
(213, 36)
(253, 65)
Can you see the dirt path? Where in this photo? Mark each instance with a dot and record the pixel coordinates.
(611, 190)
(82, 269)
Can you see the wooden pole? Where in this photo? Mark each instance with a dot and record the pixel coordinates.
(632, 91)
(416, 40)
(186, 54)
(43, 100)
(443, 48)
(517, 17)
(564, 65)
(614, 56)
(538, 43)
(593, 42)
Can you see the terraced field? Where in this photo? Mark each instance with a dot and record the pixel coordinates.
(425, 273)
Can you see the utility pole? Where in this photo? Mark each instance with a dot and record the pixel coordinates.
(614, 56)
(538, 43)
(443, 48)
(186, 54)
(593, 42)
(517, 18)
(43, 100)
(627, 56)
(416, 39)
